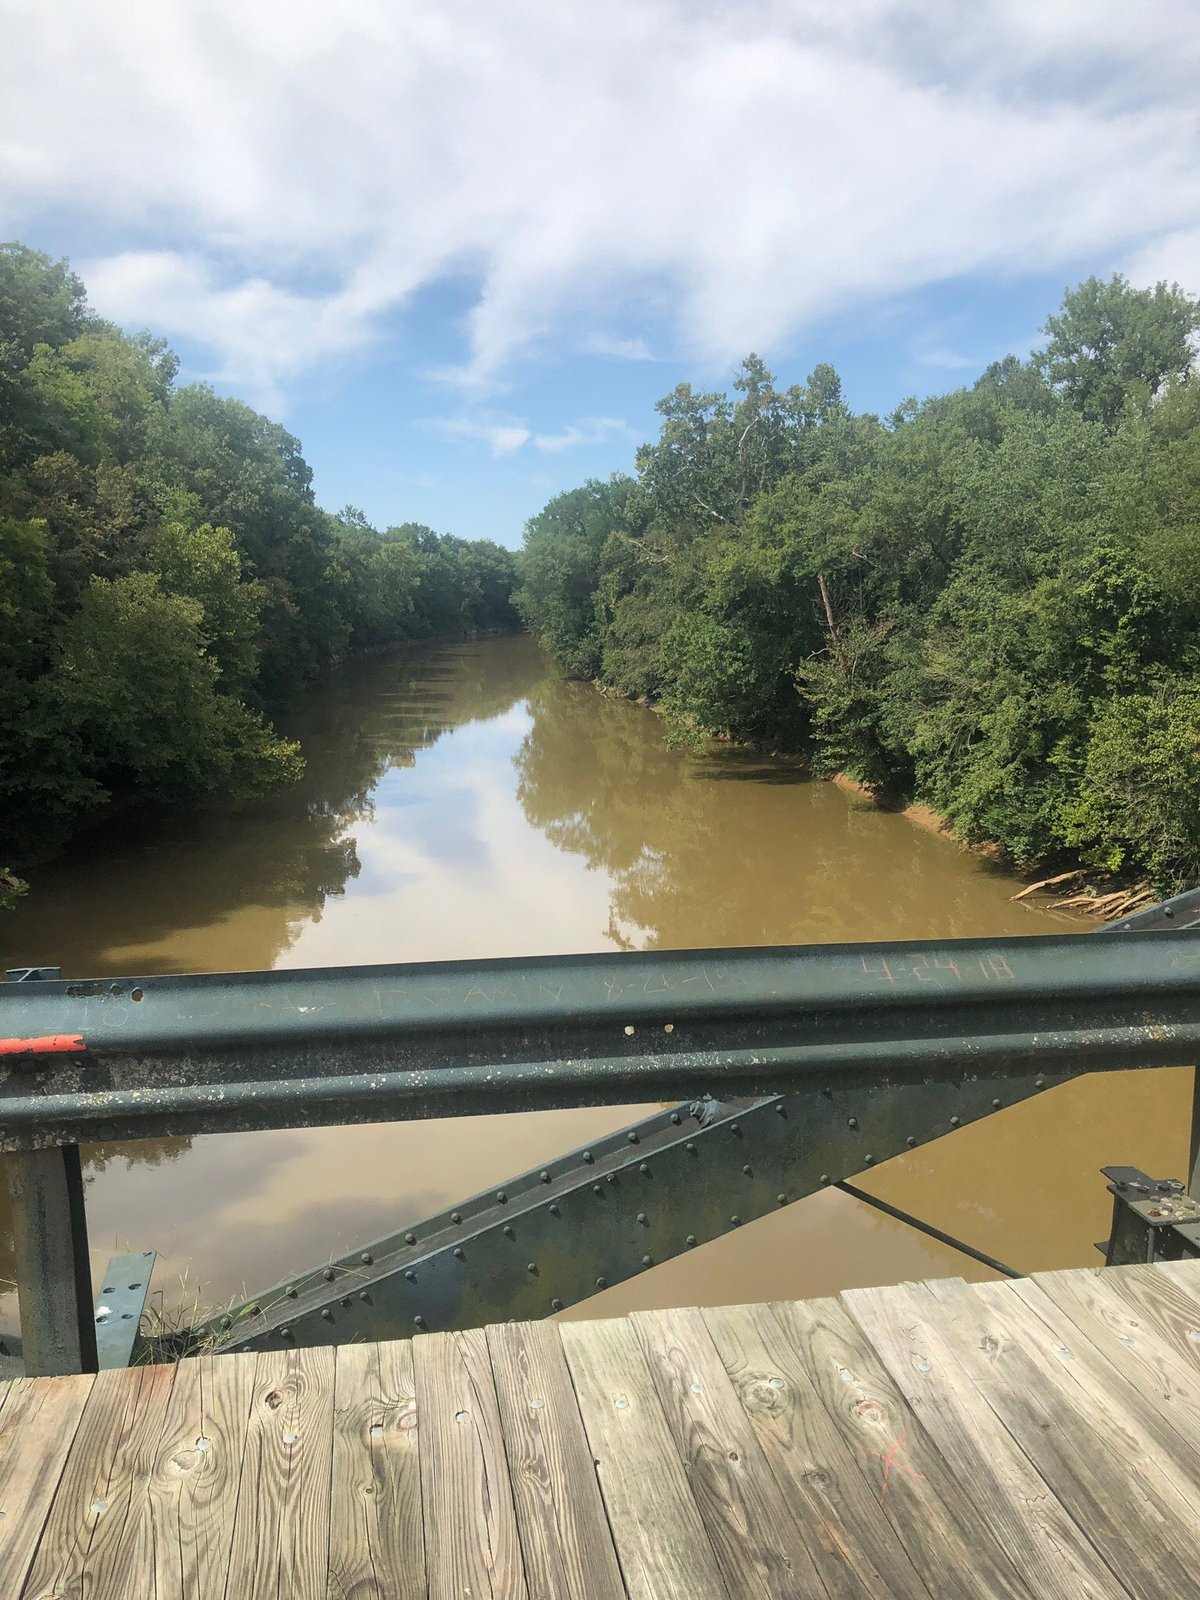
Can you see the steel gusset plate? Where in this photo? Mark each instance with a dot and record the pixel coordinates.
(557, 1235)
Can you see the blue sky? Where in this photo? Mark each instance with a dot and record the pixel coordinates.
(460, 250)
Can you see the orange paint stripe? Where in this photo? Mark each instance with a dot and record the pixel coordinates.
(48, 1044)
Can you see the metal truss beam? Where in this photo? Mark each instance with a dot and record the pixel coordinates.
(597, 1216)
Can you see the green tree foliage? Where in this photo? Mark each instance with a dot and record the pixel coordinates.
(989, 601)
(166, 577)
(1110, 344)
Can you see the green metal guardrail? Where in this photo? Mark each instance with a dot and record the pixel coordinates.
(874, 1048)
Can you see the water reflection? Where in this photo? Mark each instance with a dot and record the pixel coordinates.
(464, 801)
(733, 848)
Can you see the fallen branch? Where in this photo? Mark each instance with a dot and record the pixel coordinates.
(1048, 883)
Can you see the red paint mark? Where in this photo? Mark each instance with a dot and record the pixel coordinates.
(48, 1044)
(888, 1457)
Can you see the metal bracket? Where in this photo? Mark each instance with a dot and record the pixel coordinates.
(119, 1307)
(1153, 1219)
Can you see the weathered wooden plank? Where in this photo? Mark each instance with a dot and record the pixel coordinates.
(931, 1512)
(1056, 1559)
(1165, 1369)
(376, 1538)
(280, 1538)
(38, 1420)
(1162, 1305)
(1186, 1274)
(854, 1547)
(193, 1490)
(565, 1535)
(1082, 1441)
(1115, 1383)
(98, 1539)
(750, 1525)
(472, 1545)
(658, 1531)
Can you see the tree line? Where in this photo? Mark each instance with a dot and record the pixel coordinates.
(167, 580)
(988, 601)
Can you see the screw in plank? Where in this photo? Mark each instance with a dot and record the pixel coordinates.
(854, 1122)
(602, 1283)
(954, 1122)
(588, 1157)
(780, 1109)
(1040, 1084)
(633, 1136)
(291, 1292)
(544, 1175)
(460, 1254)
(748, 1170)
(501, 1197)
(411, 1276)
(419, 1322)
(690, 1240)
(410, 1238)
(329, 1274)
(644, 1169)
(824, 1177)
(647, 1261)
(555, 1209)
(869, 1161)
(285, 1333)
(690, 1146)
(456, 1216)
(735, 1220)
(676, 1118)
(327, 1314)
(364, 1297)
(367, 1259)
(643, 1218)
(781, 1199)
(735, 1128)
(507, 1231)
(597, 1188)
(556, 1305)
(531, 1266)
(996, 1104)
(910, 1141)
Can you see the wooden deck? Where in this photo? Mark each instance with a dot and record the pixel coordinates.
(1033, 1439)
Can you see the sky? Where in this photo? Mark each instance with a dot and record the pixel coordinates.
(460, 249)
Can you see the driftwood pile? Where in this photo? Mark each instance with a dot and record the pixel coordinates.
(1116, 903)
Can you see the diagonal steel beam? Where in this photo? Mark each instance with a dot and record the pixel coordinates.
(553, 1236)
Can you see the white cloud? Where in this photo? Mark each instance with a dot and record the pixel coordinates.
(588, 430)
(501, 438)
(949, 359)
(292, 170)
(1174, 258)
(621, 348)
(505, 436)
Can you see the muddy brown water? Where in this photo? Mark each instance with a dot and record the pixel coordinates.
(465, 801)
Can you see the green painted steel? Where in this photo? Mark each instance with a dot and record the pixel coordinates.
(138, 1057)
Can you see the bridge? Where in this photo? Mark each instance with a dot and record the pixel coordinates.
(407, 1420)
(1036, 1440)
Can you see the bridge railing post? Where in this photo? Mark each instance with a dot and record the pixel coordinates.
(53, 1272)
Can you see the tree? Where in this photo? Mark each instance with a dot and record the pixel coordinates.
(1111, 343)
(182, 740)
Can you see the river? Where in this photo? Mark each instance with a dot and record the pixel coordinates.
(464, 801)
